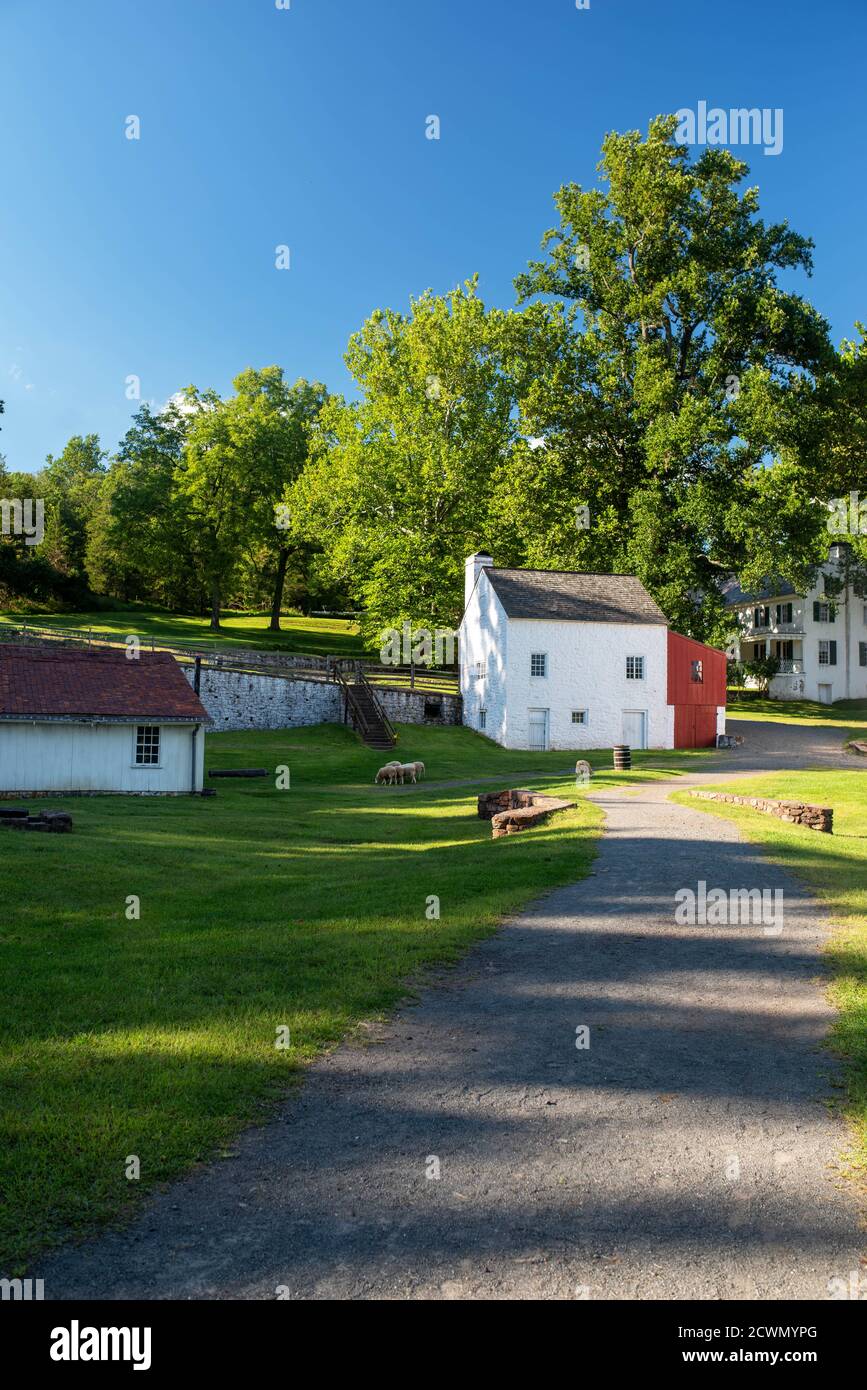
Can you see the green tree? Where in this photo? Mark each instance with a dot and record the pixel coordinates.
(71, 486)
(142, 544)
(269, 425)
(399, 485)
(672, 370)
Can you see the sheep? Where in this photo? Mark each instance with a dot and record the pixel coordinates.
(406, 770)
(419, 768)
(387, 774)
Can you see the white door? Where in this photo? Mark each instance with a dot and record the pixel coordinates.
(538, 724)
(635, 728)
(825, 694)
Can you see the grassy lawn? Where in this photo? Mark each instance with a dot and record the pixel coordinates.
(851, 713)
(834, 868)
(316, 636)
(259, 908)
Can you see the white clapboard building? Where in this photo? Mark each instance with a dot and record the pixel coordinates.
(75, 720)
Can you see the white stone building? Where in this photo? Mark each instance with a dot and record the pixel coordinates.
(558, 659)
(820, 640)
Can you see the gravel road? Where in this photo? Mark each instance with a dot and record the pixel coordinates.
(471, 1150)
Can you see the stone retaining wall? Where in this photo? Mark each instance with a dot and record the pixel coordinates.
(238, 700)
(417, 707)
(796, 812)
(241, 700)
(517, 809)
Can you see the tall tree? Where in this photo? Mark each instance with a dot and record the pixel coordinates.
(400, 480)
(673, 367)
(141, 543)
(71, 485)
(269, 426)
(216, 493)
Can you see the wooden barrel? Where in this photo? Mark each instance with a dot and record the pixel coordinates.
(622, 757)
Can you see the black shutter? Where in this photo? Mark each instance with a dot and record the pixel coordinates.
(832, 653)
(816, 618)
(832, 612)
(862, 653)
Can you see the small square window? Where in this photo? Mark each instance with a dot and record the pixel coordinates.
(697, 673)
(579, 716)
(539, 664)
(147, 745)
(635, 668)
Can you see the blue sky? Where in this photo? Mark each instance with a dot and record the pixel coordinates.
(306, 127)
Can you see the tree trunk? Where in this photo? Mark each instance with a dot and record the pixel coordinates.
(215, 605)
(277, 601)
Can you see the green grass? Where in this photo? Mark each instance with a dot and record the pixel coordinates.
(852, 713)
(259, 908)
(834, 869)
(317, 636)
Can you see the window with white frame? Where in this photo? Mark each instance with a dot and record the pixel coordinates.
(538, 663)
(480, 670)
(579, 716)
(827, 653)
(147, 745)
(635, 668)
(483, 718)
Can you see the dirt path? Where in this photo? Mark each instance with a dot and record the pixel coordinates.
(687, 1153)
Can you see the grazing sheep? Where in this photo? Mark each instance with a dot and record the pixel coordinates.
(387, 774)
(419, 769)
(406, 770)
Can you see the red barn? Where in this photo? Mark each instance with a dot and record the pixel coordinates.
(697, 690)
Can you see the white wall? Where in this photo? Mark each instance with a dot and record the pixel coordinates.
(586, 670)
(80, 757)
(484, 636)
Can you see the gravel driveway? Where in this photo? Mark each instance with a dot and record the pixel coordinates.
(471, 1150)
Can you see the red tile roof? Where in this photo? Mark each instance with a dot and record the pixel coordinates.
(59, 682)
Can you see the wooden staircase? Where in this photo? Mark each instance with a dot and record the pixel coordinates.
(362, 709)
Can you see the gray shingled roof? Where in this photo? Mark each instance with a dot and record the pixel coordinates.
(574, 597)
(774, 588)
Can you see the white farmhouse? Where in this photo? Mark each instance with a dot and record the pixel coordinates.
(820, 639)
(95, 721)
(561, 659)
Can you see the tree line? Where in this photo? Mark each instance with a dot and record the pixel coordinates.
(660, 401)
